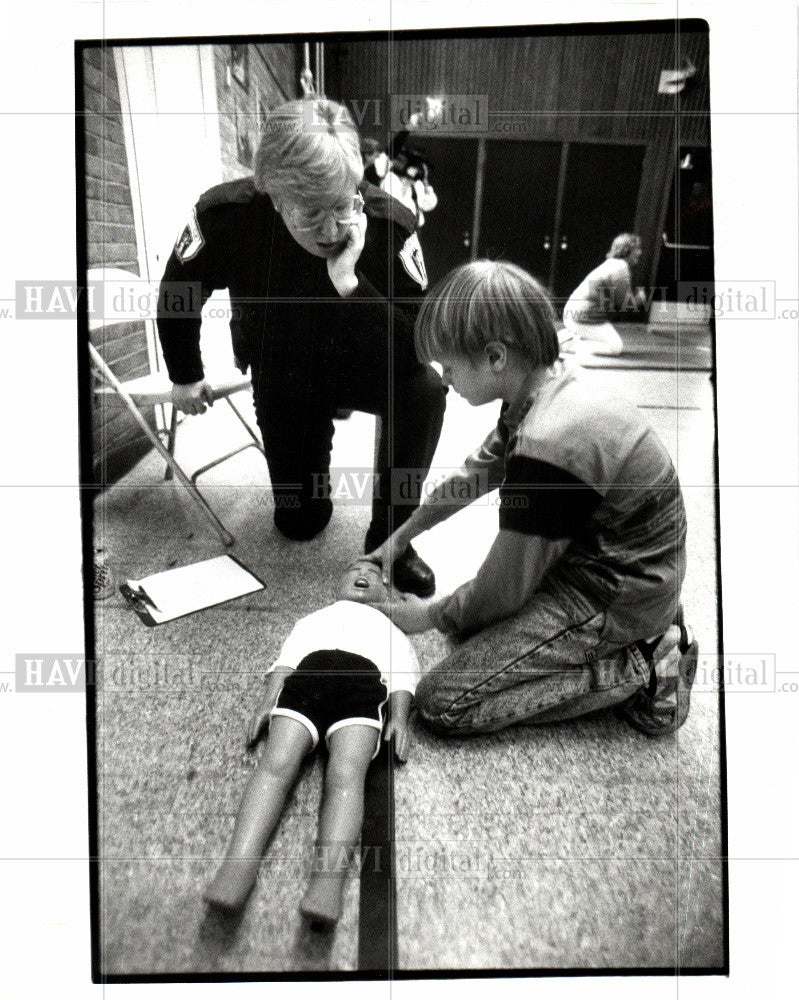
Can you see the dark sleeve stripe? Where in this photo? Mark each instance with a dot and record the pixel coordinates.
(540, 499)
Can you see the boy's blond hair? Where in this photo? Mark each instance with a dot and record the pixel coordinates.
(486, 301)
(309, 148)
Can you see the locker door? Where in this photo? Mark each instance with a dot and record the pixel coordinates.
(446, 236)
(519, 195)
(600, 195)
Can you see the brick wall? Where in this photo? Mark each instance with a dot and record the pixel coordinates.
(117, 442)
(273, 78)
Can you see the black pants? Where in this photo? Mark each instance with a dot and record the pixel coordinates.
(298, 386)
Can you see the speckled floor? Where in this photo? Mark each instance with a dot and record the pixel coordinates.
(581, 844)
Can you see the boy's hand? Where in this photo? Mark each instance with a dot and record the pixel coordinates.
(380, 558)
(409, 613)
(341, 266)
(392, 548)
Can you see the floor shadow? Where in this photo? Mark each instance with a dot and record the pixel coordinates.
(312, 946)
(216, 936)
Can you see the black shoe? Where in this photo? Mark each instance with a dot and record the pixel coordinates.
(412, 575)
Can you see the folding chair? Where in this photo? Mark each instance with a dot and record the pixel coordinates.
(156, 389)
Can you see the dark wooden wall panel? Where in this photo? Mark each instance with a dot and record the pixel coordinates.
(599, 86)
(567, 86)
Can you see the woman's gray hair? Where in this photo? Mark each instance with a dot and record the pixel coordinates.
(309, 148)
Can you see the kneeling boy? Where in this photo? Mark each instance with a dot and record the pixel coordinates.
(577, 604)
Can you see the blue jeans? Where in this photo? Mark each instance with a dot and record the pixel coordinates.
(546, 663)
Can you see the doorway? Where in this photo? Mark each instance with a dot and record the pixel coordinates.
(686, 259)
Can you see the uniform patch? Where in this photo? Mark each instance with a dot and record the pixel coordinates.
(413, 260)
(191, 240)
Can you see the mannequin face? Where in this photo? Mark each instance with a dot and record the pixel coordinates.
(362, 582)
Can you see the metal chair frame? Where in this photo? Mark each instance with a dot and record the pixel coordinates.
(138, 393)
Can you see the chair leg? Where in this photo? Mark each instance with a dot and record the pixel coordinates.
(255, 443)
(247, 427)
(170, 441)
(195, 494)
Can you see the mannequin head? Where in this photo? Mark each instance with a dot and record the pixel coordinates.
(362, 582)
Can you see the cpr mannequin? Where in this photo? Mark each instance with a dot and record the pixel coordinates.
(336, 674)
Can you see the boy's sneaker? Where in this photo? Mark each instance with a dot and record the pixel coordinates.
(662, 707)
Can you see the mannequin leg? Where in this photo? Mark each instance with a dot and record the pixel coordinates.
(288, 743)
(340, 821)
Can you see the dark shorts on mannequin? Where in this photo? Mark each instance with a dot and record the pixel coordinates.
(331, 689)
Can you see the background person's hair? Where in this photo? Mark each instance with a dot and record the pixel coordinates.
(370, 147)
(623, 245)
(309, 148)
(483, 301)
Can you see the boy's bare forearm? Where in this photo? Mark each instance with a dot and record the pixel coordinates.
(454, 493)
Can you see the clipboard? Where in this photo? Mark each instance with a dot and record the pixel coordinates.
(175, 593)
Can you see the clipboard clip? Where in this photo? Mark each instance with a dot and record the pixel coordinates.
(140, 601)
(141, 595)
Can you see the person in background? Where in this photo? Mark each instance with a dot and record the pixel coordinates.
(409, 182)
(401, 171)
(602, 295)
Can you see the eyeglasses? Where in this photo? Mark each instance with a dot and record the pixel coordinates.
(343, 214)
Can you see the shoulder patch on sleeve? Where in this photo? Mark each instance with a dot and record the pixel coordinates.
(413, 260)
(230, 193)
(191, 240)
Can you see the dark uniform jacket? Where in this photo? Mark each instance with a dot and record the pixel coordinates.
(284, 305)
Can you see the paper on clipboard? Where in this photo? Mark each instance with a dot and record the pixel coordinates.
(162, 597)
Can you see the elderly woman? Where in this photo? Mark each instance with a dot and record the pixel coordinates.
(325, 274)
(603, 293)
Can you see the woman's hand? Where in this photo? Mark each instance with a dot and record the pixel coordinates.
(193, 398)
(341, 266)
